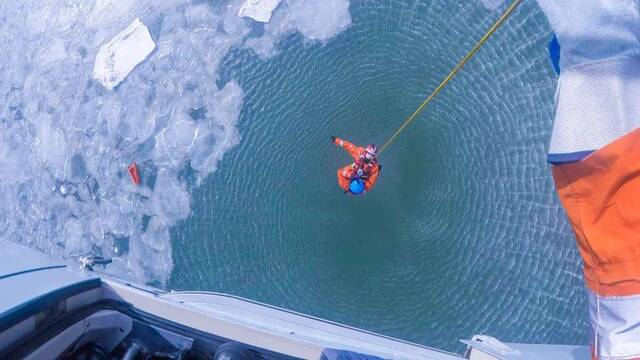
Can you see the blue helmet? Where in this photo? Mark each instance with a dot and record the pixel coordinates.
(356, 187)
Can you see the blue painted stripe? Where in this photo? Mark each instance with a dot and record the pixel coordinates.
(554, 53)
(32, 270)
(559, 159)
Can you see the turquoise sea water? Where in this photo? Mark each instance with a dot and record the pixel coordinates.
(463, 233)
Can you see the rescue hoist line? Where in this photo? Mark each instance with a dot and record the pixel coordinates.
(453, 72)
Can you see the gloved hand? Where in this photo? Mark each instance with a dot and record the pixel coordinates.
(379, 167)
(333, 139)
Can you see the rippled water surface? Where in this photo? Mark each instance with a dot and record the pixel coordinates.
(463, 233)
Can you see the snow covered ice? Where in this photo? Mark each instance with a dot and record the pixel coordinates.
(66, 139)
(258, 10)
(117, 58)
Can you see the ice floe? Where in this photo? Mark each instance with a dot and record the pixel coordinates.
(316, 20)
(492, 4)
(258, 10)
(117, 58)
(320, 20)
(66, 140)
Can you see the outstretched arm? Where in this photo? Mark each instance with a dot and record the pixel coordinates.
(349, 147)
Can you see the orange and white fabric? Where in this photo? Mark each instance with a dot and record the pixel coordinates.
(595, 152)
(601, 195)
(345, 174)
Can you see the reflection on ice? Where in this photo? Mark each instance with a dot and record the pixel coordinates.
(66, 140)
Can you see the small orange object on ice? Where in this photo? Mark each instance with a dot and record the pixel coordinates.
(133, 171)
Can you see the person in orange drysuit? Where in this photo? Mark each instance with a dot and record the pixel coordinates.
(359, 177)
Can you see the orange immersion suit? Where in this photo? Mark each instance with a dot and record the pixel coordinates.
(345, 174)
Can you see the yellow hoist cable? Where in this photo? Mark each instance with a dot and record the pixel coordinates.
(453, 72)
